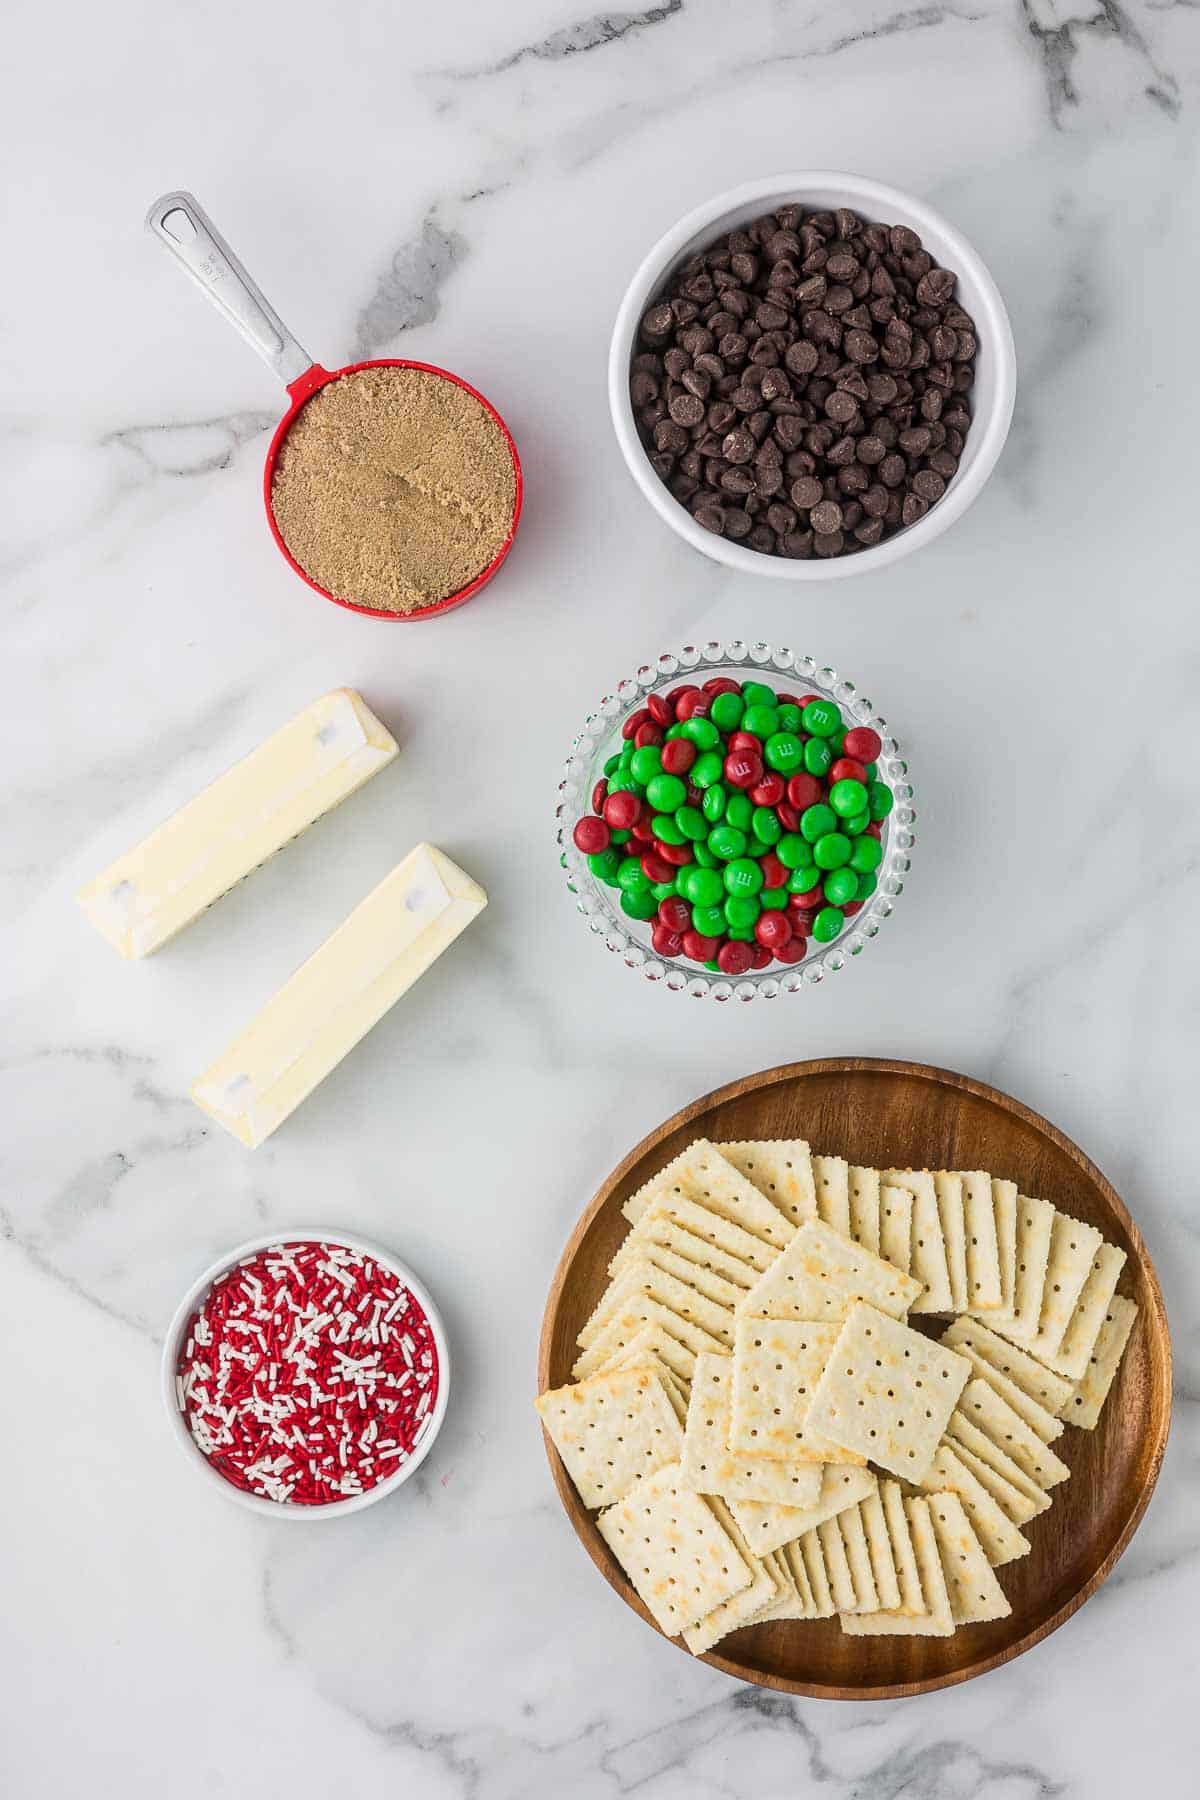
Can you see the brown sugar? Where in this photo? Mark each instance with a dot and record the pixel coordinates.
(394, 488)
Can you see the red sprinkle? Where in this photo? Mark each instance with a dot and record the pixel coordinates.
(308, 1375)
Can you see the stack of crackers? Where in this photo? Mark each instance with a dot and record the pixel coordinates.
(763, 1433)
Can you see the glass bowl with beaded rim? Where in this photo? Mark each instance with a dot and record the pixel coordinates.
(600, 737)
(176, 1337)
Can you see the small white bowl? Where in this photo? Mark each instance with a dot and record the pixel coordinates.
(825, 190)
(273, 1509)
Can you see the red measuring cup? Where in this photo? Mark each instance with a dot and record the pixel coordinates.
(180, 223)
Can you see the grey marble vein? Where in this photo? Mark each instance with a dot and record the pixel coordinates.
(408, 293)
(914, 18)
(1058, 39)
(574, 40)
(191, 446)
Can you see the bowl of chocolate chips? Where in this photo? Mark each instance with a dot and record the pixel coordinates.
(811, 376)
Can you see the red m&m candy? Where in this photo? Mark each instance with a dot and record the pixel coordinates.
(622, 810)
(700, 948)
(862, 744)
(592, 835)
(773, 929)
(678, 756)
(734, 958)
(743, 768)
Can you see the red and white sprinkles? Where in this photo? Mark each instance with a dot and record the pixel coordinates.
(308, 1375)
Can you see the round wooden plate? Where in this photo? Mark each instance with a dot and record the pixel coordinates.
(904, 1115)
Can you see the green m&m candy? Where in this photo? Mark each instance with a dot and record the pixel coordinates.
(713, 803)
(792, 850)
(739, 810)
(816, 821)
(632, 878)
(757, 693)
(704, 856)
(709, 921)
(703, 887)
(741, 910)
(789, 717)
(726, 711)
(663, 890)
(702, 732)
(612, 765)
(831, 851)
(665, 829)
(726, 841)
(803, 881)
(827, 924)
(645, 764)
(821, 718)
(665, 792)
(857, 825)
(619, 837)
(879, 800)
(761, 719)
(817, 756)
(742, 876)
(691, 823)
(706, 769)
(638, 904)
(783, 752)
(848, 798)
(773, 899)
(866, 855)
(866, 886)
(765, 825)
(756, 846)
(839, 886)
(604, 865)
(624, 784)
(741, 934)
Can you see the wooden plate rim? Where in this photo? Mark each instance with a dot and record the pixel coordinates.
(1160, 1342)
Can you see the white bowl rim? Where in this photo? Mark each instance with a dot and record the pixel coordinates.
(344, 1240)
(810, 186)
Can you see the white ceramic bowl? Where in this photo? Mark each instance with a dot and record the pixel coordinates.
(273, 1509)
(820, 190)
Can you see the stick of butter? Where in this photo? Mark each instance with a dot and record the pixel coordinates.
(237, 823)
(343, 989)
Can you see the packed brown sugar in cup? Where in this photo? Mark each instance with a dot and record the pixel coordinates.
(394, 489)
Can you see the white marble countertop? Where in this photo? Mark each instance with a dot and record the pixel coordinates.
(473, 184)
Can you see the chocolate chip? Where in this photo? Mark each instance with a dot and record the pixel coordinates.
(871, 449)
(892, 470)
(828, 543)
(658, 323)
(712, 518)
(737, 523)
(915, 441)
(826, 519)
(912, 509)
(840, 407)
(870, 531)
(860, 346)
(738, 447)
(796, 544)
(928, 485)
(807, 491)
(687, 409)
